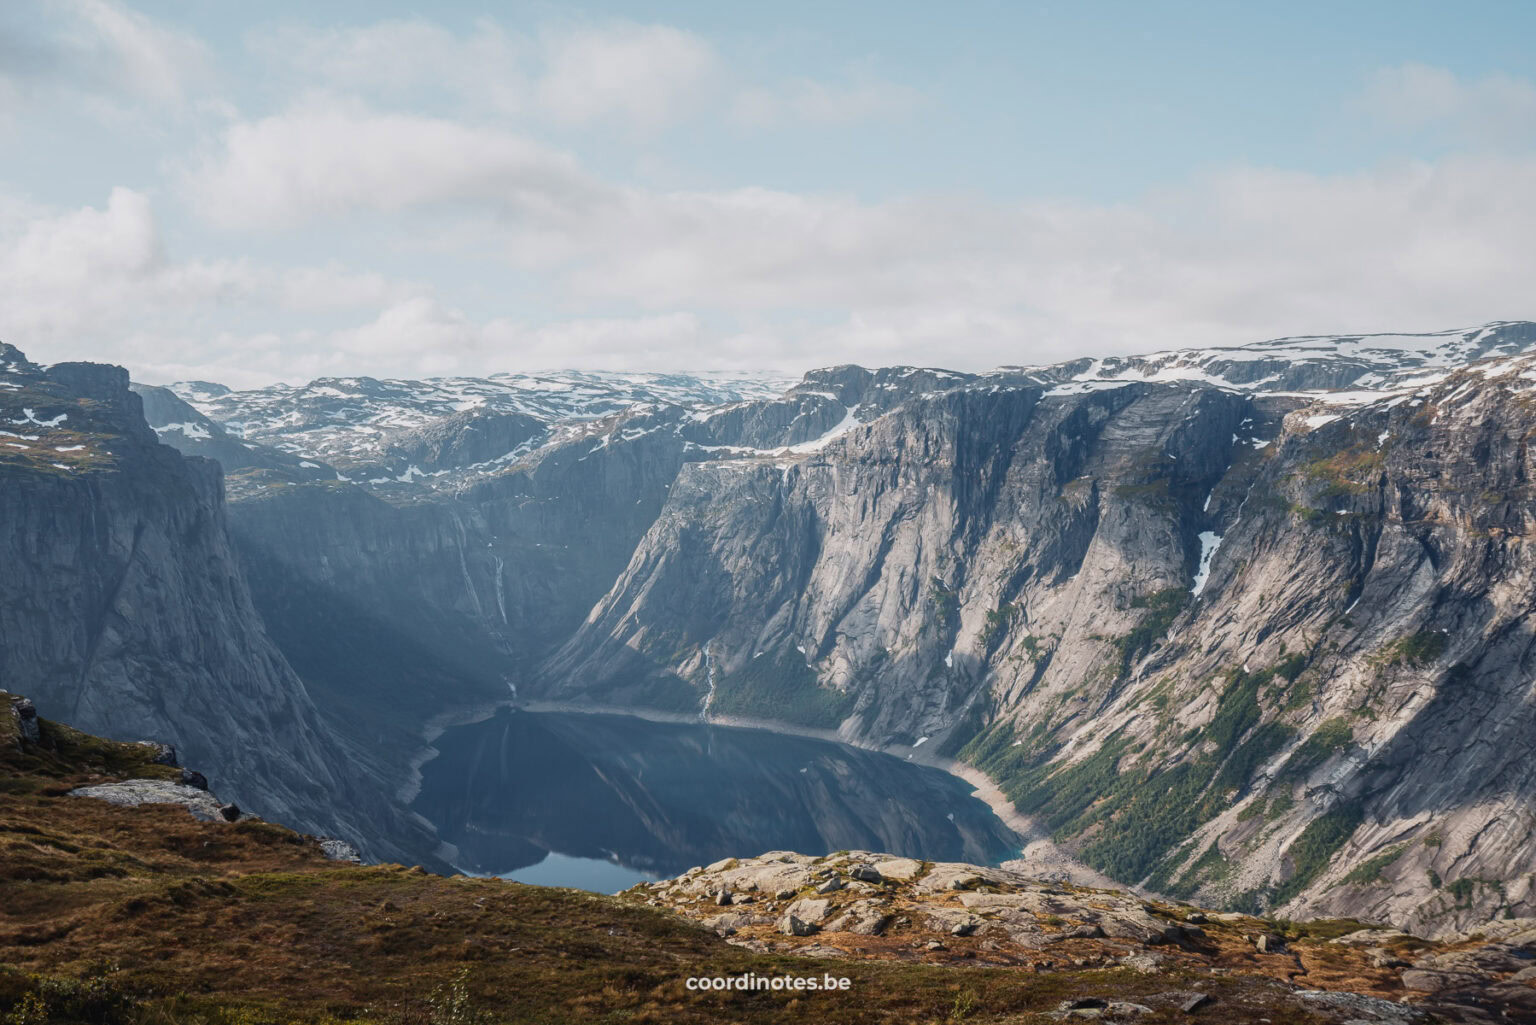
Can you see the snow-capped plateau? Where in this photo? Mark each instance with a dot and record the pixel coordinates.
(405, 438)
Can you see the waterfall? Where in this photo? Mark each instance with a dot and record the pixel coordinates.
(709, 697)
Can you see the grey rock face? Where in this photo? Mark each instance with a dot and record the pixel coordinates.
(1329, 604)
(26, 720)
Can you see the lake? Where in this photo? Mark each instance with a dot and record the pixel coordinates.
(601, 802)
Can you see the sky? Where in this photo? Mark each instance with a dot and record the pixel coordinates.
(246, 193)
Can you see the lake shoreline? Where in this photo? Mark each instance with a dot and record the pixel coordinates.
(1039, 853)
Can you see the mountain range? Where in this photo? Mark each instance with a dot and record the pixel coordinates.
(1248, 625)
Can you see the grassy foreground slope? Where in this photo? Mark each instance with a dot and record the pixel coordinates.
(143, 914)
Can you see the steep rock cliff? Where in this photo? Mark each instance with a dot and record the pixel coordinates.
(124, 609)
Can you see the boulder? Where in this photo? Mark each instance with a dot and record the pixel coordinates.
(1370, 937)
(1193, 1002)
(865, 917)
(809, 910)
(729, 924)
(1121, 1008)
(339, 850)
(902, 870)
(1146, 962)
(1422, 980)
(790, 925)
(1269, 943)
(1136, 924)
(943, 919)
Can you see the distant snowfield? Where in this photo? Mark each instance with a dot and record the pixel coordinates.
(350, 420)
(1379, 366)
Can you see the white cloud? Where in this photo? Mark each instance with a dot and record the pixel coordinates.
(100, 50)
(154, 61)
(422, 336)
(84, 283)
(327, 159)
(610, 73)
(1239, 255)
(638, 73)
(743, 276)
(1496, 109)
(487, 67)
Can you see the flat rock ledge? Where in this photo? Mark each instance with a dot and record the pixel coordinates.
(133, 792)
(200, 804)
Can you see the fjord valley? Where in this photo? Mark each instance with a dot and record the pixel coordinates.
(1247, 627)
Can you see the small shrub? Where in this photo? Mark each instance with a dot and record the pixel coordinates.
(965, 1003)
(451, 1005)
(29, 1010)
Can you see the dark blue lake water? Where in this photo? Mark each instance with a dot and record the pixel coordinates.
(601, 802)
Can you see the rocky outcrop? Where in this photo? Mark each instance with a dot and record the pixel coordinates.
(1002, 918)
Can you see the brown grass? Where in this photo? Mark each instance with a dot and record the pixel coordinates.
(144, 915)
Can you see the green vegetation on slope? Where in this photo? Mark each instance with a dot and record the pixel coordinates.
(781, 688)
(1131, 814)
